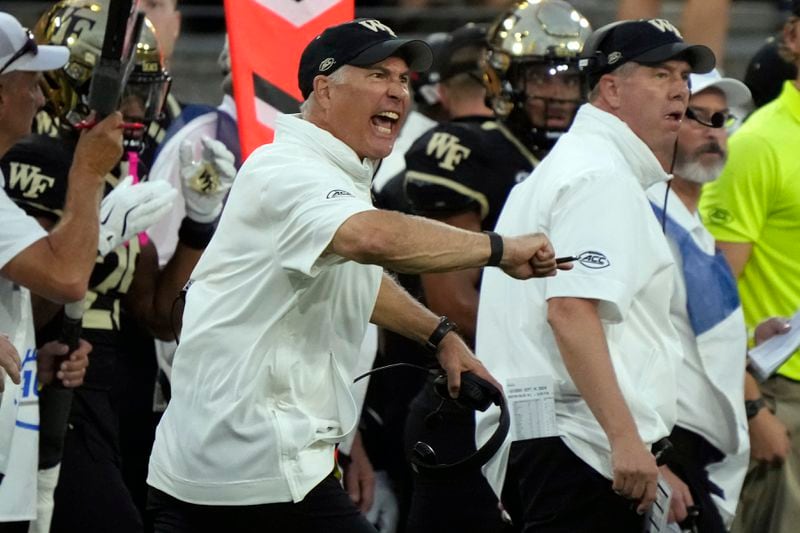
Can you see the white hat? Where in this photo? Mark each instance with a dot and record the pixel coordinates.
(735, 91)
(14, 38)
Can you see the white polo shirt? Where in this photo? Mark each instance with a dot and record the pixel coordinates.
(714, 340)
(588, 196)
(271, 331)
(19, 404)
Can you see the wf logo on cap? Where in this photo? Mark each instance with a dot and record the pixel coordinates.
(376, 26)
(665, 26)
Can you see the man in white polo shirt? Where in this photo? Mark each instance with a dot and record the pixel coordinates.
(55, 265)
(283, 294)
(601, 332)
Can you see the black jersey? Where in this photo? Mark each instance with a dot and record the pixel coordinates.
(466, 164)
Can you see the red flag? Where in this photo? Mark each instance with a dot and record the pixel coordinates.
(267, 38)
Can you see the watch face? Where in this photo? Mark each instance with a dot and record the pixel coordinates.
(752, 407)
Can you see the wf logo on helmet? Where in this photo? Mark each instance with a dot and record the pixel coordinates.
(592, 259)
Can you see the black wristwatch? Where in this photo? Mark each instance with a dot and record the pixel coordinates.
(445, 326)
(752, 407)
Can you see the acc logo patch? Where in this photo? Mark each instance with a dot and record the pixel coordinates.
(613, 57)
(338, 193)
(592, 259)
(720, 216)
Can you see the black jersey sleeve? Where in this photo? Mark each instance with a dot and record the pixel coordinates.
(36, 170)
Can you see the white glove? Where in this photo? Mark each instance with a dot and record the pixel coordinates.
(130, 209)
(385, 512)
(206, 182)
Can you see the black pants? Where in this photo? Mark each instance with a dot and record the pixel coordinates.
(326, 509)
(464, 503)
(690, 455)
(91, 495)
(548, 489)
(14, 527)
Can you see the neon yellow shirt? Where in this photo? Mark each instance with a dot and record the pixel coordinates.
(757, 200)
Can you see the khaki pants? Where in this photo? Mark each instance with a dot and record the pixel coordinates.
(770, 501)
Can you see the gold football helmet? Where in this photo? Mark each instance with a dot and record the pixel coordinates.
(531, 47)
(80, 25)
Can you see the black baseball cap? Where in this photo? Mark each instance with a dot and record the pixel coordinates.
(796, 7)
(644, 41)
(767, 71)
(463, 51)
(361, 43)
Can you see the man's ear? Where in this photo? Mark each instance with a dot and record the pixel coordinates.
(322, 90)
(610, 90)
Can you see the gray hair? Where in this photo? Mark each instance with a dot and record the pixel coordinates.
(624, 71)
(337, 77)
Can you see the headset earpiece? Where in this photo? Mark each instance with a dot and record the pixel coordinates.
(425, 454)
(475, 393)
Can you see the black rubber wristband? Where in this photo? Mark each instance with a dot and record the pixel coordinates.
(445, 326)
(496, 245)
(195, 234)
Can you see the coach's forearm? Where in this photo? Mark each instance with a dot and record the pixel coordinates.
(398, 311)
(409, 244)
(582, 343)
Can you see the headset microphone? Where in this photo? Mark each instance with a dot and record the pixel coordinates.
(717, 119)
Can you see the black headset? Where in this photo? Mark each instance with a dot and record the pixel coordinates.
(717, 119)
(475, 393)
(593, 60)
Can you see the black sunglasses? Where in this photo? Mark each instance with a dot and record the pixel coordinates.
(29, 46)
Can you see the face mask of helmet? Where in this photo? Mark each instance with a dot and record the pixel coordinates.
(532, 79)
(80, 25)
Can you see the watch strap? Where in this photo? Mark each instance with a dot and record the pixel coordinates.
(496, 249)
(752, 407)
(445, 326)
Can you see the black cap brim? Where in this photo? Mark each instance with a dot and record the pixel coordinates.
(700, 58)
(417, 54)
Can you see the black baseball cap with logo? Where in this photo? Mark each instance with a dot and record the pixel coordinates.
(361, 43)
(646, 41)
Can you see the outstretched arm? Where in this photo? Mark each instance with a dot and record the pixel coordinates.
(414, 245)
